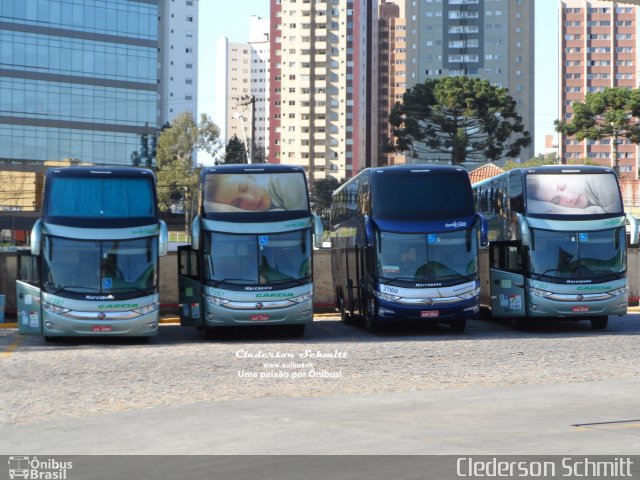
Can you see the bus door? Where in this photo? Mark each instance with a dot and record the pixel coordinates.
(189, 287)
(28, 295)
(506, 279)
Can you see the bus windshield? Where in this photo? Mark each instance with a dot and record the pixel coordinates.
(597, 256)
(445, 258)
(258, 259)
(418, 196)
(573, 194)
(93, 267)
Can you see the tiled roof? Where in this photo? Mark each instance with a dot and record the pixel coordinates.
(487, 170)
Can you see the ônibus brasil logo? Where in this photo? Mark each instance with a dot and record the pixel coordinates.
(36, 469)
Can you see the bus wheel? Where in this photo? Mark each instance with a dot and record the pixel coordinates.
(599, 323)
(344, 316)
(297, 330)
(458, 325)
(519, 323)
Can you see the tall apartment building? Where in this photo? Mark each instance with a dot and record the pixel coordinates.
(178, 70)
(78, 80)
(392, 76)
(598, 49)
(488, 39)
(321, 89)
(245, 87)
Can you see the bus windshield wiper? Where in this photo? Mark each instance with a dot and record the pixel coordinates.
(70, 287)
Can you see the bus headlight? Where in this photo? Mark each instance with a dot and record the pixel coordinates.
(537, 292)
(49, 307)
(216, 300)
(618, 291)
(146, 309)
(385, 296)
(470, 294)
(302, 298)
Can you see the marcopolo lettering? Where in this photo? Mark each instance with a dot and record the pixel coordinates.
(118, 305)
(274, 295)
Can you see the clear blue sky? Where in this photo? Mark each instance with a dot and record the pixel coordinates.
(222, 18)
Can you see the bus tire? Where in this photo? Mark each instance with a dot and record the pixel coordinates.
(297, 330)
(519, 323)
(458, 325)
(344, 316)
(600, 322)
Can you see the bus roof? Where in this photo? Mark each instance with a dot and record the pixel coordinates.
(551, 170)
(252, 168)
(97, 170)
(410, 167)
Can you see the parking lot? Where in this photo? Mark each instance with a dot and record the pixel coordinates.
(81, 377)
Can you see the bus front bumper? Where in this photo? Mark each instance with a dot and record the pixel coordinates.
(219, 316)
(541, 307)
(114, 324)
(465, 309)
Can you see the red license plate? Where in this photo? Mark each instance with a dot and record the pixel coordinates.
(430, 313)
(580, 309)
(259, 318)
(101, 328)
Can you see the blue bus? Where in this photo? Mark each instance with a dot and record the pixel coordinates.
(92, 269)
(404, 244)
(250, 260)
(557, 245)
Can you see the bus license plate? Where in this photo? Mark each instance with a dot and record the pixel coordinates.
(259, 318)
(430, 313)
(580, 309)
(101, 328)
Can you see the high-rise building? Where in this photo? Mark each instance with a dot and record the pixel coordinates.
(321, 88)
(392, 76)
(78, 80)
(178, 69)
(245, 88)
(488, 39)
(598, 49)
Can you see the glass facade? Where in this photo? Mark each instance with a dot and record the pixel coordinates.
(78, 79)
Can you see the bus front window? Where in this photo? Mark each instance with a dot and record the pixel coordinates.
(258, 259)
(92, 266)
(445, 258)
(599, 256)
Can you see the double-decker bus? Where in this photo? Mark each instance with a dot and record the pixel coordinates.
(93, 264)
(557, 244)
(250, 258)
(405, 243)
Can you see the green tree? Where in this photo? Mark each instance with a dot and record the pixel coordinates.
(613, 113)
(235, 151)
(177, 175)
(320, 196)
(539, 160)
(466, 119)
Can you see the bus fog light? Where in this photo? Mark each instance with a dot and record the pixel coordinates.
(474, 309)
(151, 325)
(305, 313)
(385, 311)
(49, 325)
